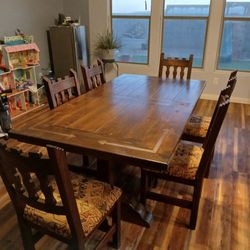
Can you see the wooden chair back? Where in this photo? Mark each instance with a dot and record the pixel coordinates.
(212, 134)
(26, 177)
(225, 92)
(230, 87)
(176, 63)
(233, 75)
(232, 81)
(62, 90)
(231, 84)
(93, 76)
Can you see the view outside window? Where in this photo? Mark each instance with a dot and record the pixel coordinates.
(184, 30)
(235, 43)
(130, 25)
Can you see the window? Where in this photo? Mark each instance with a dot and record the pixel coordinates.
(130, 25)
(185, 28)
(235, 48)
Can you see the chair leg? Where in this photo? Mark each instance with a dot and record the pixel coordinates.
(116, 218)
(195, 204)
(26, 234)
(144, 186)
(85, 160)
(209, 164)
(77, 246)
(152, 182)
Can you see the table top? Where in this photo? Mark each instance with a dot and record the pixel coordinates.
(135, 118)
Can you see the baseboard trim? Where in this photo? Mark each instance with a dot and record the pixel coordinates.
(233, 99)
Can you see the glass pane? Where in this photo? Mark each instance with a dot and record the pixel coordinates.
(133, 36)
(183, 37)
(237, 8)
(235, 49)
(131, 7)
(186, 7)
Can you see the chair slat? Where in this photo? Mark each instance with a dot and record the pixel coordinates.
(176, 63)
(70, 93)
(182, 72)
(60, 91)
(93, 76)
(46, 189)
(29, 184)
(175, 72)
(63, 96)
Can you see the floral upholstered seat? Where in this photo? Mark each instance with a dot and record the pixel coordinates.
(197, 126)
(186, 161)
(93, 198)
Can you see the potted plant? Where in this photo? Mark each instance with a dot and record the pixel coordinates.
(107, 44)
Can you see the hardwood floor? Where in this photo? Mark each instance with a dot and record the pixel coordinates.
(224, 213)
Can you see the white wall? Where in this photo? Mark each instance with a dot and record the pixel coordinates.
(32, 17)
(76, 9)
(99, 20)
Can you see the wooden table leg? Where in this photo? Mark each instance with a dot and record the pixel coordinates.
(120, 175)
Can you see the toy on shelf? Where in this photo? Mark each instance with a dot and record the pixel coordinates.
(24, 78)
(18, 39)
(6, 79)
(21, 57)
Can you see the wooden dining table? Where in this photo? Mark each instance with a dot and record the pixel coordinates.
(136, 119)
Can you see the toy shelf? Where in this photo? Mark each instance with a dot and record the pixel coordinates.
(24, 77)
(16, 92)
(21, 57)
(25, 67)
(23, 101)
(17, 113)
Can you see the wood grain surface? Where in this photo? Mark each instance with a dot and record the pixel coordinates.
(135, 118)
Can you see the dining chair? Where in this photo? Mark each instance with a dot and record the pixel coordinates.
(176, 64)
(197, 126)
(93, 76)
(59, 92)
(50, 200)
(62, 90)
(188, 167)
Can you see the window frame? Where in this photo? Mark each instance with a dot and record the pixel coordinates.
(207, 18)
(221, 35)
(133, 17)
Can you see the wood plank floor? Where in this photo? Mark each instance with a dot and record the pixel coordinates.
(224, 213)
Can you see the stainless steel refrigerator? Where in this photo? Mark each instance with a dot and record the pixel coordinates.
(68, 49)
